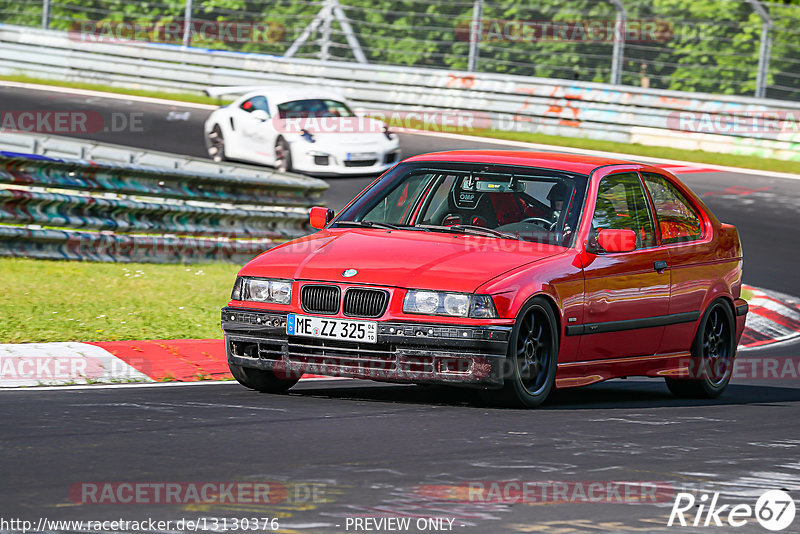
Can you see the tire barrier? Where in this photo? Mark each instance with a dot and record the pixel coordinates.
(58, 208)
(93, 246)
(28, 170)
(126, 216)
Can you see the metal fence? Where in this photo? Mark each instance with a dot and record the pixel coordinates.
(740, 47)
(107, 209)
(407, 95)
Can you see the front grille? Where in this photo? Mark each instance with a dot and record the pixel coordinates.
(375, 356)
(365, 302)
(360, 163)
(320, 299)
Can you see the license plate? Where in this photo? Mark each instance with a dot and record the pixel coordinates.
(342, 329)
(360, 156)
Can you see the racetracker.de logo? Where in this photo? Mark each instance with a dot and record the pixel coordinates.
(173, 31)
(591, 31)
(747, 368)
(739, 123)
(399, 121)
(71, 122)
(551, 491)
(47, 368)
(213, 492)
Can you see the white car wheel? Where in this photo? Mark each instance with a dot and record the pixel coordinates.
(283, 156)
(216, 144)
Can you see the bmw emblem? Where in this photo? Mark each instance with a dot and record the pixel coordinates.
(349, 273)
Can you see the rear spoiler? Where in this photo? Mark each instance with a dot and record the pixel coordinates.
(242, 89)
(234, 90)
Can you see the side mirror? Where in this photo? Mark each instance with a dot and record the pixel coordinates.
(616, 240)
(320, 217)
(261, 115)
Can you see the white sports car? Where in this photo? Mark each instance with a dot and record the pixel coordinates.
(298, 129)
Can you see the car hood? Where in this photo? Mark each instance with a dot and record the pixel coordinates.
(399, 258)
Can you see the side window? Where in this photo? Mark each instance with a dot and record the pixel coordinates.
(336, 109)
(437, 204)
(622, 205)
(677, 219)
(257, 102)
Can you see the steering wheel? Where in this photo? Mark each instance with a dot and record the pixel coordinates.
(542, 222)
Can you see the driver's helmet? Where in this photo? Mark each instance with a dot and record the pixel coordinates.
(558, 192)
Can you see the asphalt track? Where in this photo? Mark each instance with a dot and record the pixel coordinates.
(373, 450)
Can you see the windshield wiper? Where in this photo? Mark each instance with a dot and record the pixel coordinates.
(480, 230)
(384, 225)
(490, 231)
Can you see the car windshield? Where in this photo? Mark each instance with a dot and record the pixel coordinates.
(538, 205)
(315, 107)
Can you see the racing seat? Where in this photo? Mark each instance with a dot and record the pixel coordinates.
(481, 215)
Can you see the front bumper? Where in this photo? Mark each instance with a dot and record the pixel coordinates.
(326, 161)
(404, 353)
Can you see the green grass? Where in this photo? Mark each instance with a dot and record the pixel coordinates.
(74, 301)
(747, 294)
(698, 156)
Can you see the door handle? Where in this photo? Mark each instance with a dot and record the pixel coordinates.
(660, 266)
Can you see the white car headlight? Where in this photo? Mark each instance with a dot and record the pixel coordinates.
(262, 290)
(422, 302)
(451, 304)
(455, 304)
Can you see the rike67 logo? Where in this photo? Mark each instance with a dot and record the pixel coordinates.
(774, 510)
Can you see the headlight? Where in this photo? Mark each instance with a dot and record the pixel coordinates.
(483, 307)
(452, 304)
(456, 304)
(422, 302)
(262, 290)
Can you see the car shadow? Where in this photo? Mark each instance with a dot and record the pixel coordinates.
(614, 394)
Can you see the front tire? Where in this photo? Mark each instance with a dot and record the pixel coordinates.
(260, 379)
(531, 363)
(713, 351)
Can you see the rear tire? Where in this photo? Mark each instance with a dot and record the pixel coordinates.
(713, 352)
(261, 379)
(216, 145)
(531, 363)
(283, 156)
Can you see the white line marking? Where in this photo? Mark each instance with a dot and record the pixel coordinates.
(103, 94)
(75, 387)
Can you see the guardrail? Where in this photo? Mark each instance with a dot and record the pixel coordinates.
(717, 123)
(122, 212)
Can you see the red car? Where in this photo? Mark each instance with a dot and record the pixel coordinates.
(511, 272)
